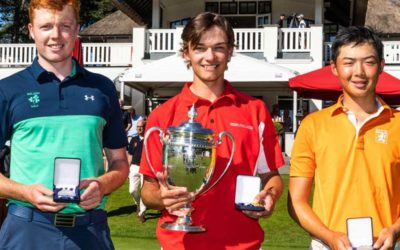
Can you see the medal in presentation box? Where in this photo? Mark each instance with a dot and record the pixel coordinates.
(66, 180)
(247, 187)
(359, 232)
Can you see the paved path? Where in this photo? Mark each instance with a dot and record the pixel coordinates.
(285, 169)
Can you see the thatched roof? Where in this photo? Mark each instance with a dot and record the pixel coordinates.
(115, 24)
(384, 16)
(137, 10)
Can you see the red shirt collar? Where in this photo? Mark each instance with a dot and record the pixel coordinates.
(188, 97)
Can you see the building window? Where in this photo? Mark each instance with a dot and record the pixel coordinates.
(180, 22)
(185, 21)
(264, 7)
(330, 31)
(228, 8)
(212, 7)
(263, 20)
(247, 8)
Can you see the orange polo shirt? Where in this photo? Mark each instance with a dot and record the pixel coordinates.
(257, 150)
(356, 173)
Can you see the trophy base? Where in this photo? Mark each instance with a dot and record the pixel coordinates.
(183, 228)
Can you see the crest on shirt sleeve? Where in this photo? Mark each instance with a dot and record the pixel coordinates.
(381, 136)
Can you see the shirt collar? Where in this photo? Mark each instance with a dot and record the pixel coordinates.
(188, 97)
(42, 75)
(338, 107)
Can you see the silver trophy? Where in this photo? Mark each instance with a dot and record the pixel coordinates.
(189, 155)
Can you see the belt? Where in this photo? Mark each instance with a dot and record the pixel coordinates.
(59, 220)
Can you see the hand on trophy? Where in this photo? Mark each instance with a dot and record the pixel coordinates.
(174, 198)
(266, 199)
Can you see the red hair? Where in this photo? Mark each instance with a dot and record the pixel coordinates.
(56, 5)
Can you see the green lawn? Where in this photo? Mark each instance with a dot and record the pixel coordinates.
(128, 233)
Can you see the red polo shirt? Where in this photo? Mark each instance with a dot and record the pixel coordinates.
(257, 150)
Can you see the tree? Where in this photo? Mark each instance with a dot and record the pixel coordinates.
(92, 11)
(13, 20)
(14, 17)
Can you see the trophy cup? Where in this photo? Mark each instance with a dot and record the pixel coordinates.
(189, 154)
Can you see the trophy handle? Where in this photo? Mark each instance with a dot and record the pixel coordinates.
(146, 136)
(230, 158)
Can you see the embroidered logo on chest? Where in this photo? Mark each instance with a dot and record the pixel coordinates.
(34, 99)
(381, 136)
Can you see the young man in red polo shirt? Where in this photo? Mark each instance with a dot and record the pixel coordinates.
(208, 42)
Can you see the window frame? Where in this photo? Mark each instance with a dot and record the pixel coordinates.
(229, 4)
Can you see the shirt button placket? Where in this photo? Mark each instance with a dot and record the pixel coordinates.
(63, 103)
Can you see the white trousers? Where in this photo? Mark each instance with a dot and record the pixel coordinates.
(135, 184)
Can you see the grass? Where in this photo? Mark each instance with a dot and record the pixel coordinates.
(281, 232)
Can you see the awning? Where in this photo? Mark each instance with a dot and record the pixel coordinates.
(322, 84)
(171, 71)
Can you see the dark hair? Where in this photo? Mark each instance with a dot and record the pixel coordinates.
(203, 22)
(357, 35)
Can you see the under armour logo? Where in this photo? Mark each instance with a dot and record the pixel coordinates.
(87, 98)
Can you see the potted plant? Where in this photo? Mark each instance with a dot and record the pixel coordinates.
(279, 131)
(279, 128)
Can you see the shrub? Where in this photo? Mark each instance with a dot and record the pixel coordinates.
(279, 128)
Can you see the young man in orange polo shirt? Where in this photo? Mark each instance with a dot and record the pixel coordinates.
(350, 151)
(208, 42)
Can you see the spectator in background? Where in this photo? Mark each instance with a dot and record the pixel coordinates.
(301, 22)
(282, 21)
(132, 132)
(135, 178)
(126, 117)
(293, 22)
(287, 120)
(275, 114)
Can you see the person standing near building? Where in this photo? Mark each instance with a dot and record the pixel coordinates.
(350, 151)
(132, 132)
(293, 21)
(302, 23)
(135, 178)
(126, 117)
(282, 21)
(55, 108)
(208, 43)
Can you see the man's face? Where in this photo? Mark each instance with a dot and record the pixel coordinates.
(54, 33)
(210, 58)
(140, 127)
(358, 68)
